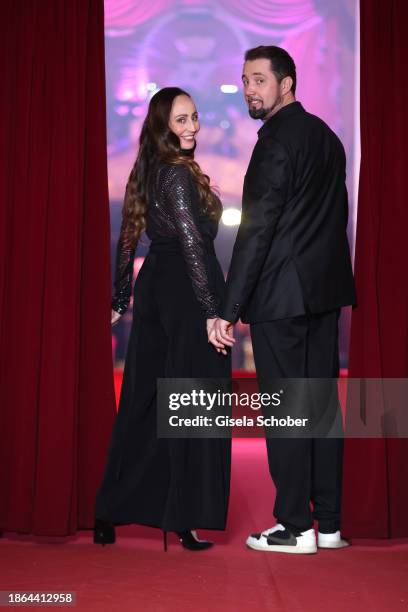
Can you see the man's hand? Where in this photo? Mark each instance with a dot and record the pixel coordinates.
(220, 334)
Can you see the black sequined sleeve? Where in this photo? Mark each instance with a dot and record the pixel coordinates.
(123, 276)
(178, 192)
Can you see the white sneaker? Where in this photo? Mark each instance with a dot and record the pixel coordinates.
(279, 539)
(331, 540)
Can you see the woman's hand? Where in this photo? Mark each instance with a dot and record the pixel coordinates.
(115, 316)
(211, 332)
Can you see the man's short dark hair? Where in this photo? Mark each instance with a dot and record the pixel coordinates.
(282, 63)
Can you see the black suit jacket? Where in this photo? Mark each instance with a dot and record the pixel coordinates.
(291, 254)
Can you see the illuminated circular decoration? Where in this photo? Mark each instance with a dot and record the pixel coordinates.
(196, 49)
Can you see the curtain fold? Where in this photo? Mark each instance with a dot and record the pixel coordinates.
(375, 497)
(58, 400)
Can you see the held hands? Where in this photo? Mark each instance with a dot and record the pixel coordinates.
(220, 334)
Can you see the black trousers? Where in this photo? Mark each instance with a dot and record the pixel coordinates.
(175, 484)
(307, 472)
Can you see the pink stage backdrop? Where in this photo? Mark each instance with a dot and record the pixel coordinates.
(200, 47)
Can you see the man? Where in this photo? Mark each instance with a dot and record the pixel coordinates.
(289, 276)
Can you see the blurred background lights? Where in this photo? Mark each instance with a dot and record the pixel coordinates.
(127, 94)
(122, 109)
(229, 88)
(231, 217)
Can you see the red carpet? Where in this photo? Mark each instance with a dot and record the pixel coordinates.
(135, 573)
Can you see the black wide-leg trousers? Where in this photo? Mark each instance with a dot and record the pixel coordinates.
(175, 484)
(307, 472)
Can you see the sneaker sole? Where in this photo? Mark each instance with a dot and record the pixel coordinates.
(294, 550)
(334, 545)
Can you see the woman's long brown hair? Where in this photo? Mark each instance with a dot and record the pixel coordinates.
(158, 143)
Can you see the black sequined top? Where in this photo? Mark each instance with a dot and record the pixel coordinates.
(174, 212)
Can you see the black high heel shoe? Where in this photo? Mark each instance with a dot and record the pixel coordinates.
(187, 540)
(104, 532)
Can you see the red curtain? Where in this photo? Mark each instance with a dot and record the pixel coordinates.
(57, 398)
(376, 471)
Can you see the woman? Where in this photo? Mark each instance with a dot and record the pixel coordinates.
(174, 484)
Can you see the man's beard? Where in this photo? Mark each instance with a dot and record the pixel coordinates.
(261, 113)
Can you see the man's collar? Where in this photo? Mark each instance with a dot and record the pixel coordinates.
(286, 111)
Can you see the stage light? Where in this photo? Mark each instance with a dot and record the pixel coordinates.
(225, 124)
(229, 88)
(127, 94)
(231, 217)
(122, 110)
(151, 86)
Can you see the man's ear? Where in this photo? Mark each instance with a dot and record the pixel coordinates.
(286, 84)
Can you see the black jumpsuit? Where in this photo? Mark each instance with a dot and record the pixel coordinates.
(174, 484)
